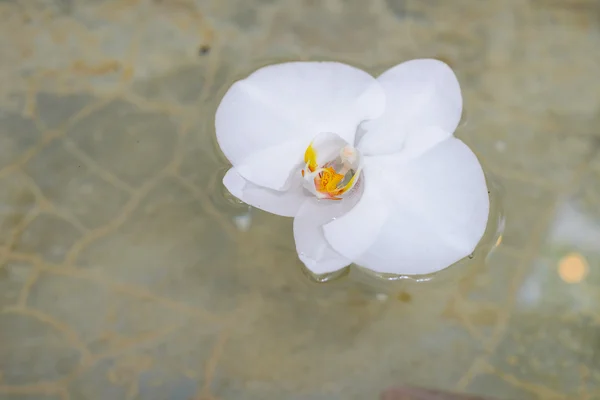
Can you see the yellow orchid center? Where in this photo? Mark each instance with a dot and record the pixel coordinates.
(328, 180)
(333, 178)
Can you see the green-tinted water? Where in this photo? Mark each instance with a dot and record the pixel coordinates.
(127, 274)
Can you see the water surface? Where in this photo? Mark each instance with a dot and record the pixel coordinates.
(126, 275)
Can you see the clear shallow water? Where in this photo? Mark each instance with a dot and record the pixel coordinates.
(125, 273)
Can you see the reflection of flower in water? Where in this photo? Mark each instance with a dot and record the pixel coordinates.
(369, 168)
(243, 221)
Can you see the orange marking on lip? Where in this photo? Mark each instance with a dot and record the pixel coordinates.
(327, 179)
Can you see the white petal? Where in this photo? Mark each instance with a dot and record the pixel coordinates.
(353, 233)
(267, 120)
(313, 249)
(284, 203)
(372, 210)
(437, 206)
(273, 164)
(419, 93)
(417, 143)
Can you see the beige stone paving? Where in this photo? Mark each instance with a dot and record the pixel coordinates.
(124, 271)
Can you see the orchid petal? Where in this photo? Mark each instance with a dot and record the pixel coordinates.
(284, 203)
(419, 94)
(353, 233)
(313, 249)
(435, 213)
(266, 121)
(373, 201)
(418, 143)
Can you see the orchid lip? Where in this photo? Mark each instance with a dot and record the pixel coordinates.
(336, 175)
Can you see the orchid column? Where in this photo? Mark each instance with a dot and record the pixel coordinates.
(369, 168)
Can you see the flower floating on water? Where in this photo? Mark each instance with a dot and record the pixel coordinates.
(369, 168)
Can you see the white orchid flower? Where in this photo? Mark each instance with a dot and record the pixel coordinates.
(369, 168)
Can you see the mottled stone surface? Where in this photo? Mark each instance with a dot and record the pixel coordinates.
(126, 274)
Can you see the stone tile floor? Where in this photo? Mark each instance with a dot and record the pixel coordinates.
(124, 274)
